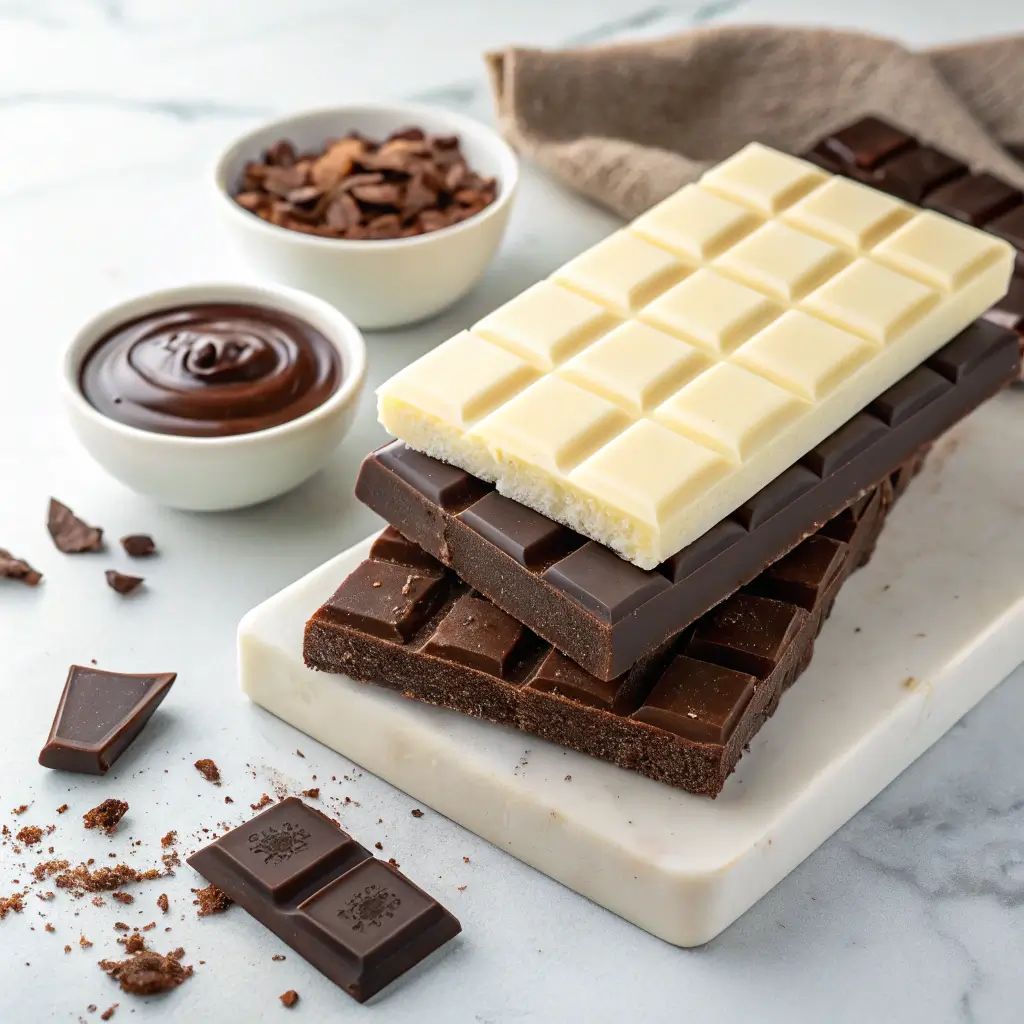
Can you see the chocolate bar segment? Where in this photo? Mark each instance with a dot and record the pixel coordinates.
(866, 152)
(606, 613)
(358, 920)
(683, 714)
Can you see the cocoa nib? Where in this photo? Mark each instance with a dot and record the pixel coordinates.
(71, 535)
(358, 188)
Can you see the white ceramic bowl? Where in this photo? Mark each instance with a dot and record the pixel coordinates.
(377, 283)
(216, 473)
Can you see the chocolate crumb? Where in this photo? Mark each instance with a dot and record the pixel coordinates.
(13, 904)
(71, 535)
(138, 545)
(145, 973)
(98, 901)
(568, 778)
(12, 568)
(264, 801)
(21, 809)
(49, 927)
(135, 943)
(169, 840)
(163, 902)
(109, 1012)
(416, 812)
(120, 926)
(379, 846)
(84, 942)
(461, 888)
(277, 956)
(228, 800)
(81, 880)
(123, 897)
(290, 998)
(106, 815)
(67, 949)
(48, 868)
(209, 770)
(149, 927)
(30, 835)
(122, 582)
(394, 863)
(300, 753)
(211, 900)
(465, 860)
(312, 794)
(62, 808)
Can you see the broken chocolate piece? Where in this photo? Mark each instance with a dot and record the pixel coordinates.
(138, 545)
(106, 815)
(12, 568)
(71, 535)
(121, 582)
(99, 715)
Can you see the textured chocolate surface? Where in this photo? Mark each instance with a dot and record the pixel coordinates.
(892, 160)
(682, 715)
(606, 613)
(356, 919)
(99, 715)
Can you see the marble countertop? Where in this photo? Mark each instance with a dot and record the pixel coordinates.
(110, 112)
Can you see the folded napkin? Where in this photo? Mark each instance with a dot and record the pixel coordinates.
(628, 124)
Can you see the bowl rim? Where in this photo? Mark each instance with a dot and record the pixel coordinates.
(339, 330)
(462, 125)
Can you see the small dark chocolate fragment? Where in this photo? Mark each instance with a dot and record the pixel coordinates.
(138, 545)
(915, 173)
(12, 568)
(99, 715)
(868, 143)
(356, 919)
(70, 534)
(123, 583)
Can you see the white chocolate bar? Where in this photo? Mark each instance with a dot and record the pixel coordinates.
(659, 380)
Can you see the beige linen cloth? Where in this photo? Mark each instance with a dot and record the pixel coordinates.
(628, 124)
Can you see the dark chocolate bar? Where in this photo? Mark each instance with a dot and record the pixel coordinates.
(356, 919)
(606, 613)
(881, 155)
(682, 715)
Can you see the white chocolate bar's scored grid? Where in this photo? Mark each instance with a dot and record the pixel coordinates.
(656, 382)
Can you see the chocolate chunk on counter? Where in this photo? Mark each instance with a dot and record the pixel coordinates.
(356, 919)
(99, 715)
(123, 583)
(138, 545)
(71, 535)
(602, 611)
(683, 714)
(12, 568)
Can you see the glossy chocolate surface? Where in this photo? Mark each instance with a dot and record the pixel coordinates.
(210, 370)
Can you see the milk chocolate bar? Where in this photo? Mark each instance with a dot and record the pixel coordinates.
(894, 161)
(606, 613)
(656, 382)
(359, 921)
(682, 715)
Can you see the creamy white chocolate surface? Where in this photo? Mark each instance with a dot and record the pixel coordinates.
(658, 380)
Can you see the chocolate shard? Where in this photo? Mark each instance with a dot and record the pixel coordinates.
(99, 715)
(138, 545)
(121, 582)
(356, 919)
(71, 535)
(12, 568)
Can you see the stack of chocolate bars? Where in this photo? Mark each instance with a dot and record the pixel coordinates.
(623, 503)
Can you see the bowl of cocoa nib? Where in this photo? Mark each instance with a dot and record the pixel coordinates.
(391, 212)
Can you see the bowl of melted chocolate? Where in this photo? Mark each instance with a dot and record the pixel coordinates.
(215, 396)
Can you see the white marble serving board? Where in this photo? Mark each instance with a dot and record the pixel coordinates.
(916, 639)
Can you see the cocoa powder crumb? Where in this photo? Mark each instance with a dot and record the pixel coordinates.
(163, 902)
(228, 800)
(312, 794)
(84, 942)
(290, 998)
(106, 815)
(461, 888)
(264, 801)
(13, 904)
(62, 808)
(379, 845)
(146, 973)
(49, 927)
(134, 943)
(149, 927)
(20, 809)
(465, 860)
(30, 835)
(209, 770)
(120, 926)
(169, 840)
(98, 901)
(416, 812)
(211, 900)
(81, 880)
(394, 863)
(67, 949)
(48, 868)
(123, 897)
(109, 1012)
(277, 956)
